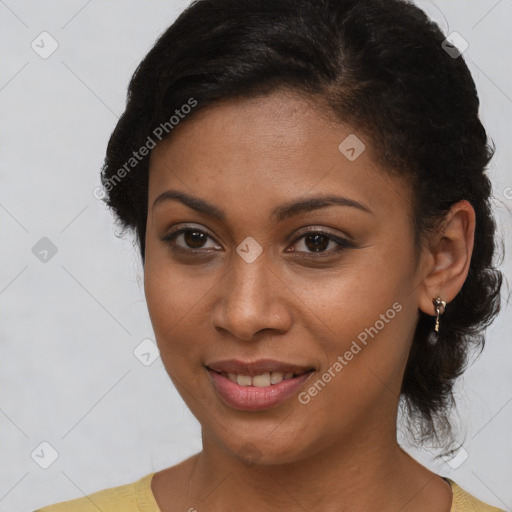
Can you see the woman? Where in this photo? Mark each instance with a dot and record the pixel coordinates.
(306, 181)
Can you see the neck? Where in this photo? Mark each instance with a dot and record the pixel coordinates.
(337, 478)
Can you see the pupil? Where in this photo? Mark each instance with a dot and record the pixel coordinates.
(194, 239)
(316, 247)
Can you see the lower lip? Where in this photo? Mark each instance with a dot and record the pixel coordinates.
(252, 398)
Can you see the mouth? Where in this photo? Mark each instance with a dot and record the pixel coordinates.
(257, 385)
(260, 381)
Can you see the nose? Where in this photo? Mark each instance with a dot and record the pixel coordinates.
(251, 298)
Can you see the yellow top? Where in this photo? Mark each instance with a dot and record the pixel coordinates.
(137, 497)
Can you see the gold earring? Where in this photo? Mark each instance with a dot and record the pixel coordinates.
(440, 306)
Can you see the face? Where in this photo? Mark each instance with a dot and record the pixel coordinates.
(285, 329)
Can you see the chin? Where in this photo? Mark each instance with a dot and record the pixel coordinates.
(266, 448)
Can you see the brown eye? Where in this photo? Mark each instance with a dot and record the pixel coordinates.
(319, 242)
(316, 242)
(193, 239)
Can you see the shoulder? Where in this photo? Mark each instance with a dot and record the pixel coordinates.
(133, 497)
(465, 502)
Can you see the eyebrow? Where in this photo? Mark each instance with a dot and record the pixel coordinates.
(290, 209)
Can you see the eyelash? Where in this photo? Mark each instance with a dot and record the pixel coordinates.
(342, 243)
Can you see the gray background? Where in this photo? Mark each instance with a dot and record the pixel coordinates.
(70, 324)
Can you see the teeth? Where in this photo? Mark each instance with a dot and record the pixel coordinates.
(243, 380)
(259, 381)
(276, 377)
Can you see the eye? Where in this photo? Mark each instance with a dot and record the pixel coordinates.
(193, 239)
(318, 240)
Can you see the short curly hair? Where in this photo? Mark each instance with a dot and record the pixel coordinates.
(379, 65)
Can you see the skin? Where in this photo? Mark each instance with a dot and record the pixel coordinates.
(339, 451)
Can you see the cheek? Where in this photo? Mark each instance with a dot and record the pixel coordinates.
(166, 297)
(176, 297)
(168, 292)
(368, 315)
(364, 320)
(353, 296)
(363, 356)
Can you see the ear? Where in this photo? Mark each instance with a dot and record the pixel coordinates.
(448, 256)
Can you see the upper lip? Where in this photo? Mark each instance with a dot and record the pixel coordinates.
(253, 368)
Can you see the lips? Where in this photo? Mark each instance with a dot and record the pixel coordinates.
(257, 385)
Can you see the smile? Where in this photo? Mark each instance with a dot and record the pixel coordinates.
(260, 381)
(256, 386)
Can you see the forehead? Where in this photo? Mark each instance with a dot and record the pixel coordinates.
(251, 154)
